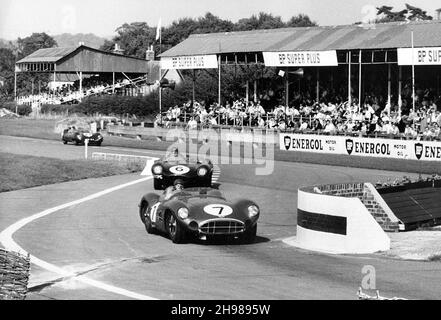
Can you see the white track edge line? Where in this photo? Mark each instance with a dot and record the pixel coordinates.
(8, 242)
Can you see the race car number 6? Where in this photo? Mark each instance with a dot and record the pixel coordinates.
(179, 169)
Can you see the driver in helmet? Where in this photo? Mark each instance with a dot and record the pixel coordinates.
(176, 156)
(170, 191)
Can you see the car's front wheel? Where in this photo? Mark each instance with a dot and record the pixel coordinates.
(250, 235)
(174, 229)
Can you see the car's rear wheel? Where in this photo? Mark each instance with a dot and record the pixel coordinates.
(250, 235)
(65, 141)
(174, 229)
(145, 218)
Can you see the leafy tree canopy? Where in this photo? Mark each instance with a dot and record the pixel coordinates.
(135, 38)
(410, 13)
(34, 42)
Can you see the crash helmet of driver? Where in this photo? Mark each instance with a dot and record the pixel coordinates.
(179, 184)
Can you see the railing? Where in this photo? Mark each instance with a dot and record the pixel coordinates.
(140, 130)
(242, 123)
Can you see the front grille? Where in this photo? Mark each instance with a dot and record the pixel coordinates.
(223, 226)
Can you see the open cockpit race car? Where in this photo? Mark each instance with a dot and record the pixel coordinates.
(199, 213)
(193, 173)
(79, 136)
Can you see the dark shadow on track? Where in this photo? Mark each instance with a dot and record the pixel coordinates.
(223, 241)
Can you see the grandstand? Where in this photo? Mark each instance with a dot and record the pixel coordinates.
(85, 71)
(354, 78)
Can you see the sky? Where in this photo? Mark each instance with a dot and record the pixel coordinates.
(20, 18)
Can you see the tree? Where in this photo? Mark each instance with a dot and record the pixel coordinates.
(36, 41)
(301, 20)
(262, 21)
(178, 31)
(25, 47)
(411, 13)
(7, 61)
(211, 23)
(133, 38)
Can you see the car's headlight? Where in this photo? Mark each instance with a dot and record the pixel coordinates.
(157, 169)
(202, 171)
(183, 213)
(253, 211)
(78, 137)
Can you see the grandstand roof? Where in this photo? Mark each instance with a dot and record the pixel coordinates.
(48, 55)
(86, 59)
(348, 37)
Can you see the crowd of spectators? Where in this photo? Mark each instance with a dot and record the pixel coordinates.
(70, 93)
(327, 116)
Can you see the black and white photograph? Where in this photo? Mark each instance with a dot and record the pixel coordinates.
(220, 157)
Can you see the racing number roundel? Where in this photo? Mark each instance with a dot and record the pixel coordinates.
(218, 210)
(179, 169)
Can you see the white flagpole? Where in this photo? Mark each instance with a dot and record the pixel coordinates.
(158, 34)
(413, 75)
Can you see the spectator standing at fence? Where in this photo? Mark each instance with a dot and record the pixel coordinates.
(192, 124)
(260, 122)
(329, 127)
(304, 126)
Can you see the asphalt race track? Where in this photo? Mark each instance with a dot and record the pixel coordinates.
(104, 240)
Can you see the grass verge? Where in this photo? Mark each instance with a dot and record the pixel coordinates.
(21, 171)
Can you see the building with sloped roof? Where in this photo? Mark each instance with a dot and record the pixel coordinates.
(77, 63)
(348, 37)
(347, 49)
(81, 59)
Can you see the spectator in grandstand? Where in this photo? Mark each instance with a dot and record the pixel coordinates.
(304, 126)
(330, 127)
(317, 125)
(192, 124)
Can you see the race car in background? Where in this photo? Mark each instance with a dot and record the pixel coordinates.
(199, 212)
(175, 166)
(79, 136)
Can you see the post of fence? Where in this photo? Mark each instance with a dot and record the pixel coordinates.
(86, 142)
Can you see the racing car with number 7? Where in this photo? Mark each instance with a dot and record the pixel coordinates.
(199, 212)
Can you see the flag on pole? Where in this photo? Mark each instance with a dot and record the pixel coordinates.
(158, 30)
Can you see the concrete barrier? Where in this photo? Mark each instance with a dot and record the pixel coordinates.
(336, 224)
(249, 135)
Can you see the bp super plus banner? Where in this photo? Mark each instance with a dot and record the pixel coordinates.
(419, 56)
(190, 62)
(366, 147)
(300, 58)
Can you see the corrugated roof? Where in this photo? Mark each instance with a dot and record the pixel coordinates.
(48, 55)
(350, 37)
(55, 54)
